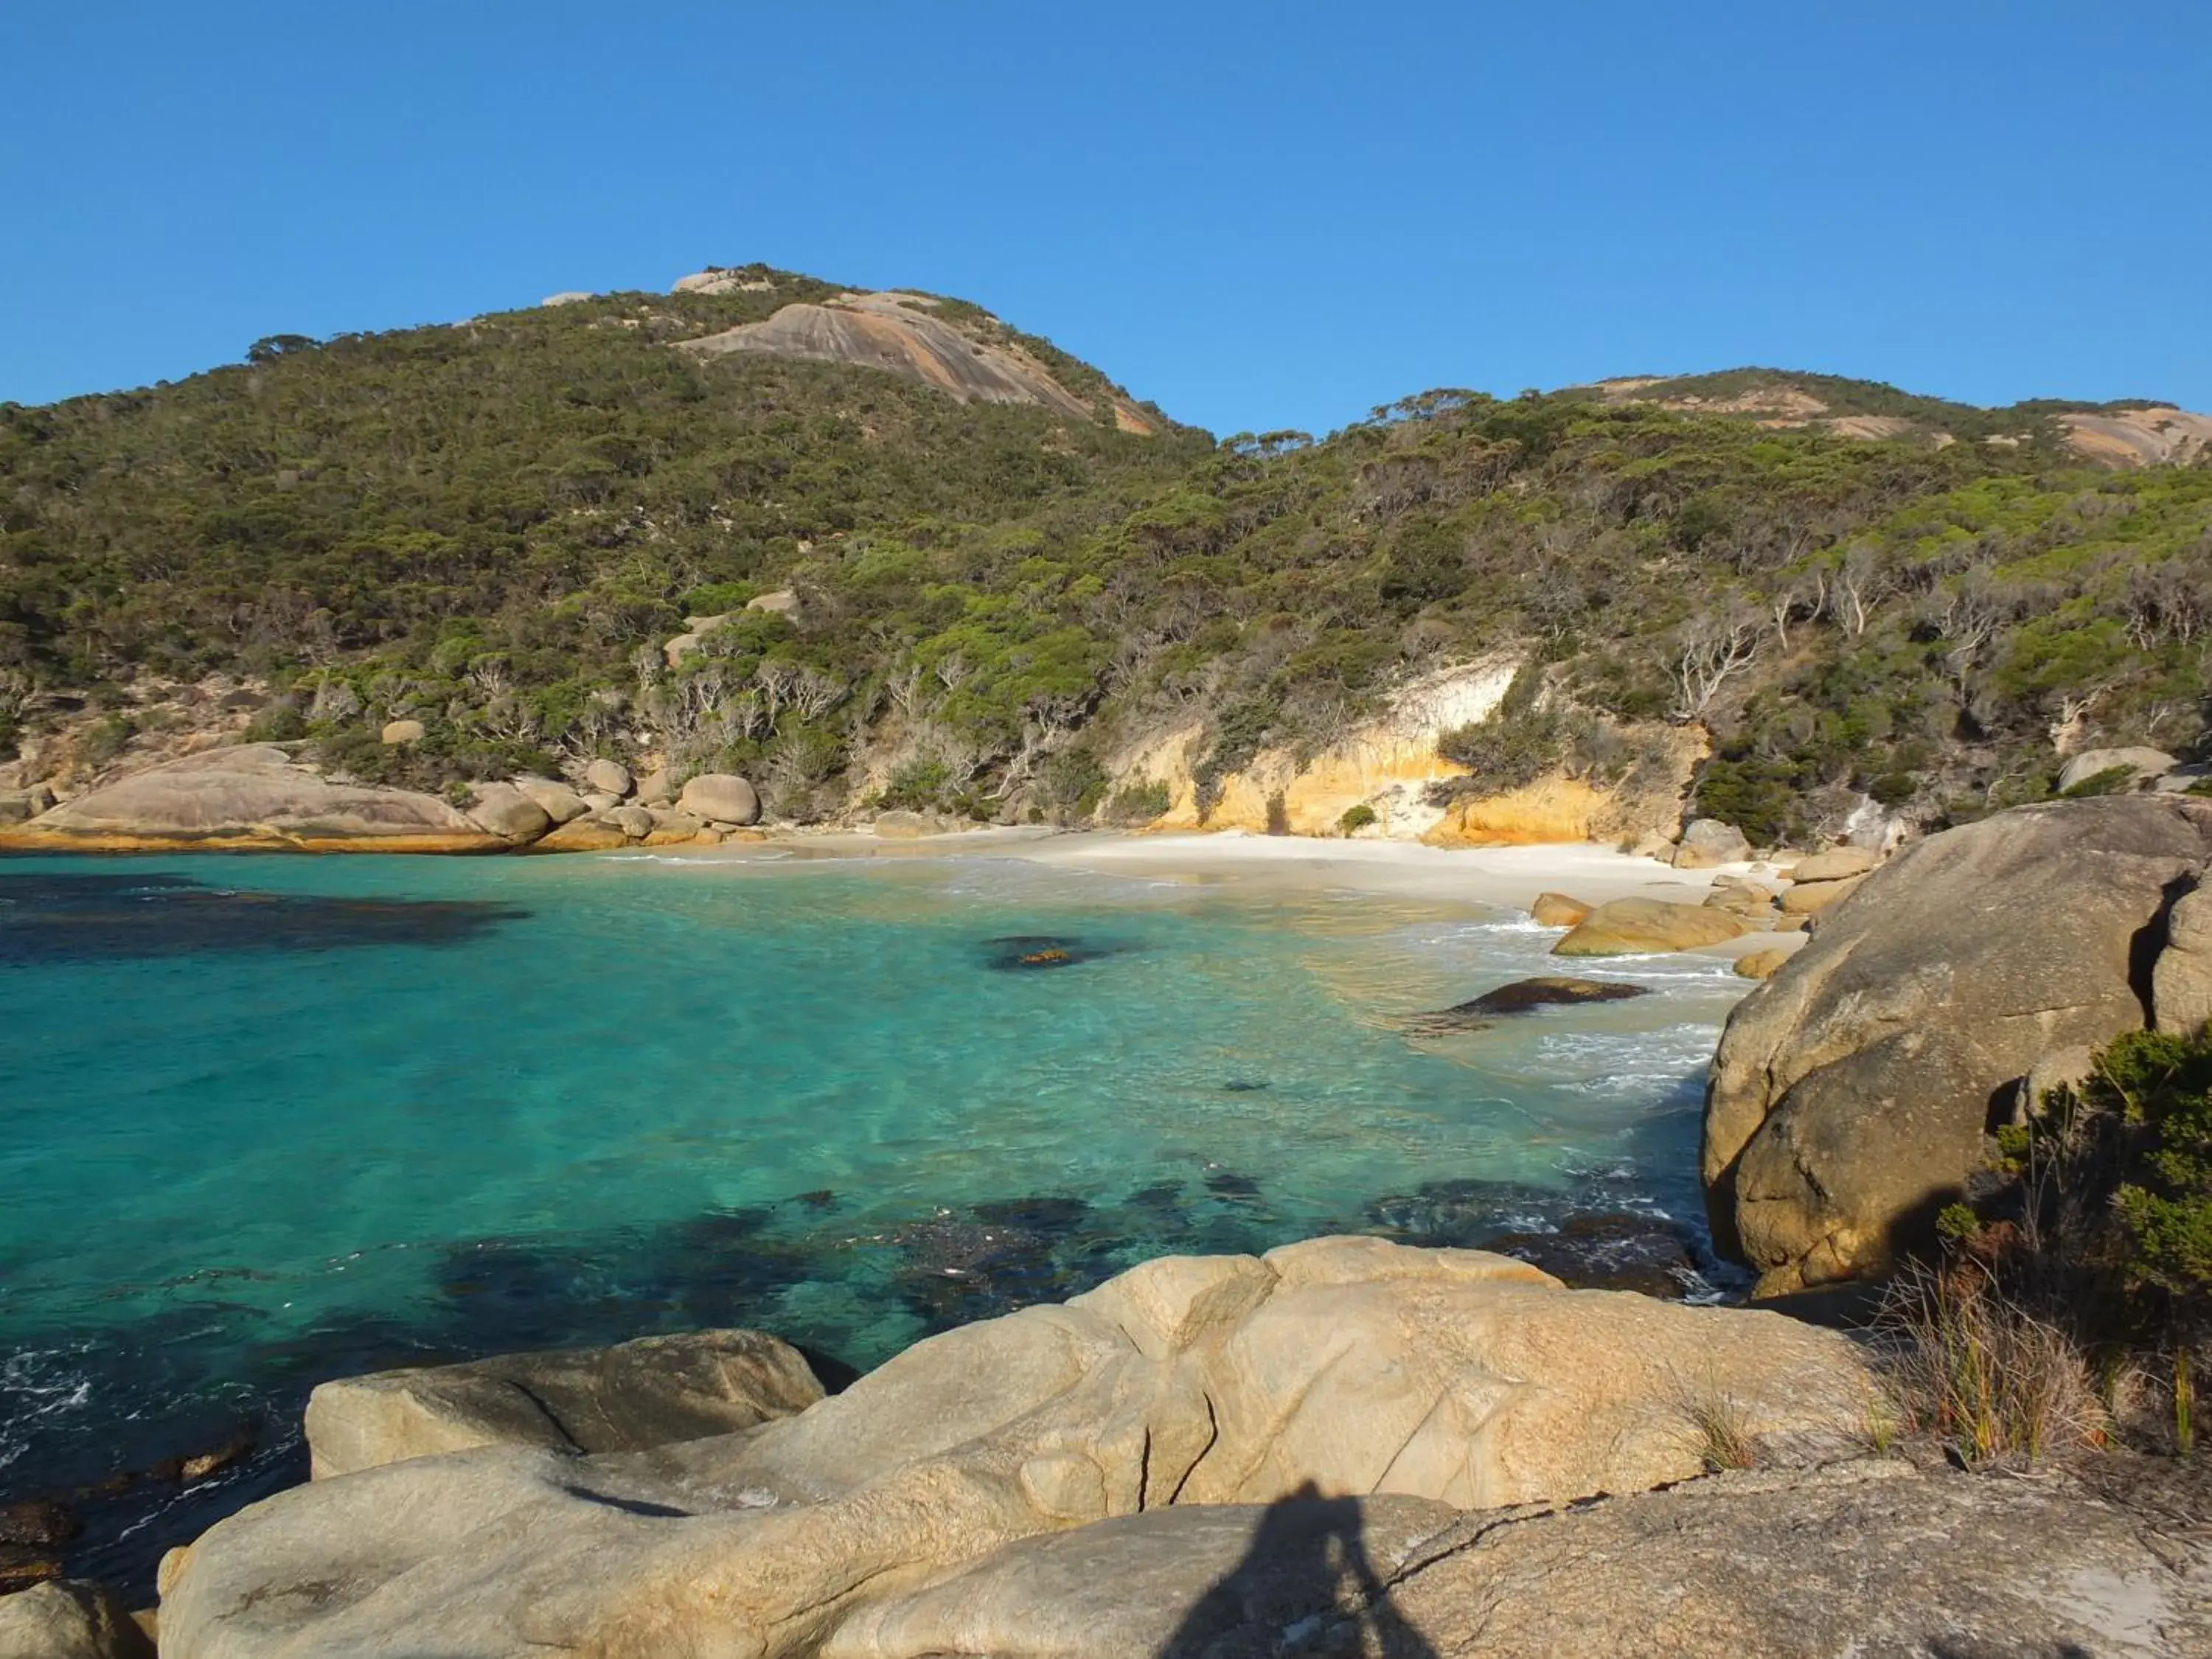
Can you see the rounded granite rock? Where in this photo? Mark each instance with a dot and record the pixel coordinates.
(609, 777)
(1850, 1097)
(719, 798)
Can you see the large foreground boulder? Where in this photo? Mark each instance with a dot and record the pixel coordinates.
(1867, 1557)
(1852, 1092)
(250, 796)
(625, 1398)
(1335, 1369)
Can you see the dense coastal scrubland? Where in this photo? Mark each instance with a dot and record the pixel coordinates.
(759, 526)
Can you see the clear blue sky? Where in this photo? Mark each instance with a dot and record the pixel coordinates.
(1260, 215)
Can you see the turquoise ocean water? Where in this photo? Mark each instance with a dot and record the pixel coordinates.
(271, 1120)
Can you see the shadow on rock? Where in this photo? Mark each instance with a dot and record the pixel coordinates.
(1307, 1548)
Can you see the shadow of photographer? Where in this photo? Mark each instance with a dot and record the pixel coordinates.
(1316, 1547)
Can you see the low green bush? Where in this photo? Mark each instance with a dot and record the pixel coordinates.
(1140, 803)
(2160, 1084)
(1356, 818)
(280, 722)
(2112, 781)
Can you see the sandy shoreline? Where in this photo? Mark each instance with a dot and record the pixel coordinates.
(1503, 877)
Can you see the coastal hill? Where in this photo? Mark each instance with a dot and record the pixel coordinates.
(882, 551)
(2123, 433)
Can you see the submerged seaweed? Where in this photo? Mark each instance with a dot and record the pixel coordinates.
(51, 919)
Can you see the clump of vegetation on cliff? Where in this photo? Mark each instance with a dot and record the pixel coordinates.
(495, 527)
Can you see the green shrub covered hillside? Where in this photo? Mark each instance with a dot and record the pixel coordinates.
(979, 594)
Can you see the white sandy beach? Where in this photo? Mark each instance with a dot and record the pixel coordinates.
(1504, 877)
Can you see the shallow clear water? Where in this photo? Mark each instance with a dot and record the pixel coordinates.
(314, 1116)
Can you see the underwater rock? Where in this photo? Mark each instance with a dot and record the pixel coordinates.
(23, 1565)
(956, 1271)
(1048, 1215)
(199, 1466)
(1023, 952)
(1461, 1211)
(1619, 1251)
(1519, 997)
(38, 1523)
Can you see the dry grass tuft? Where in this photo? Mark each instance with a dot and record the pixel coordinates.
(1719, 1428)
(1985, 1376)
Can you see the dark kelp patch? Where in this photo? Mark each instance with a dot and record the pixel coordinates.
(47, 918)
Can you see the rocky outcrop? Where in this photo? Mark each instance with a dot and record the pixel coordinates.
(1707, 843)
(898, 332)
(1850, 1097)
(251, 795)
(559, 803)
(1906, 1562)
(2181, 983)
(1810, 898)
(1761, 965)
(1637, 926)
(66, 1619)
(1748, 899)
(899, 825)
(1838, 863)
(609, 777)
(1557, 910)
(2136, 763)
(599, 832)
(2156, 435)
(1342, 1369)
(637, 1394)
(506, 811)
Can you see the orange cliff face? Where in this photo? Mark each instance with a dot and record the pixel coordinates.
(1387, 767)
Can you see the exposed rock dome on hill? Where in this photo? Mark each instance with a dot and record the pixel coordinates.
(895, 331)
